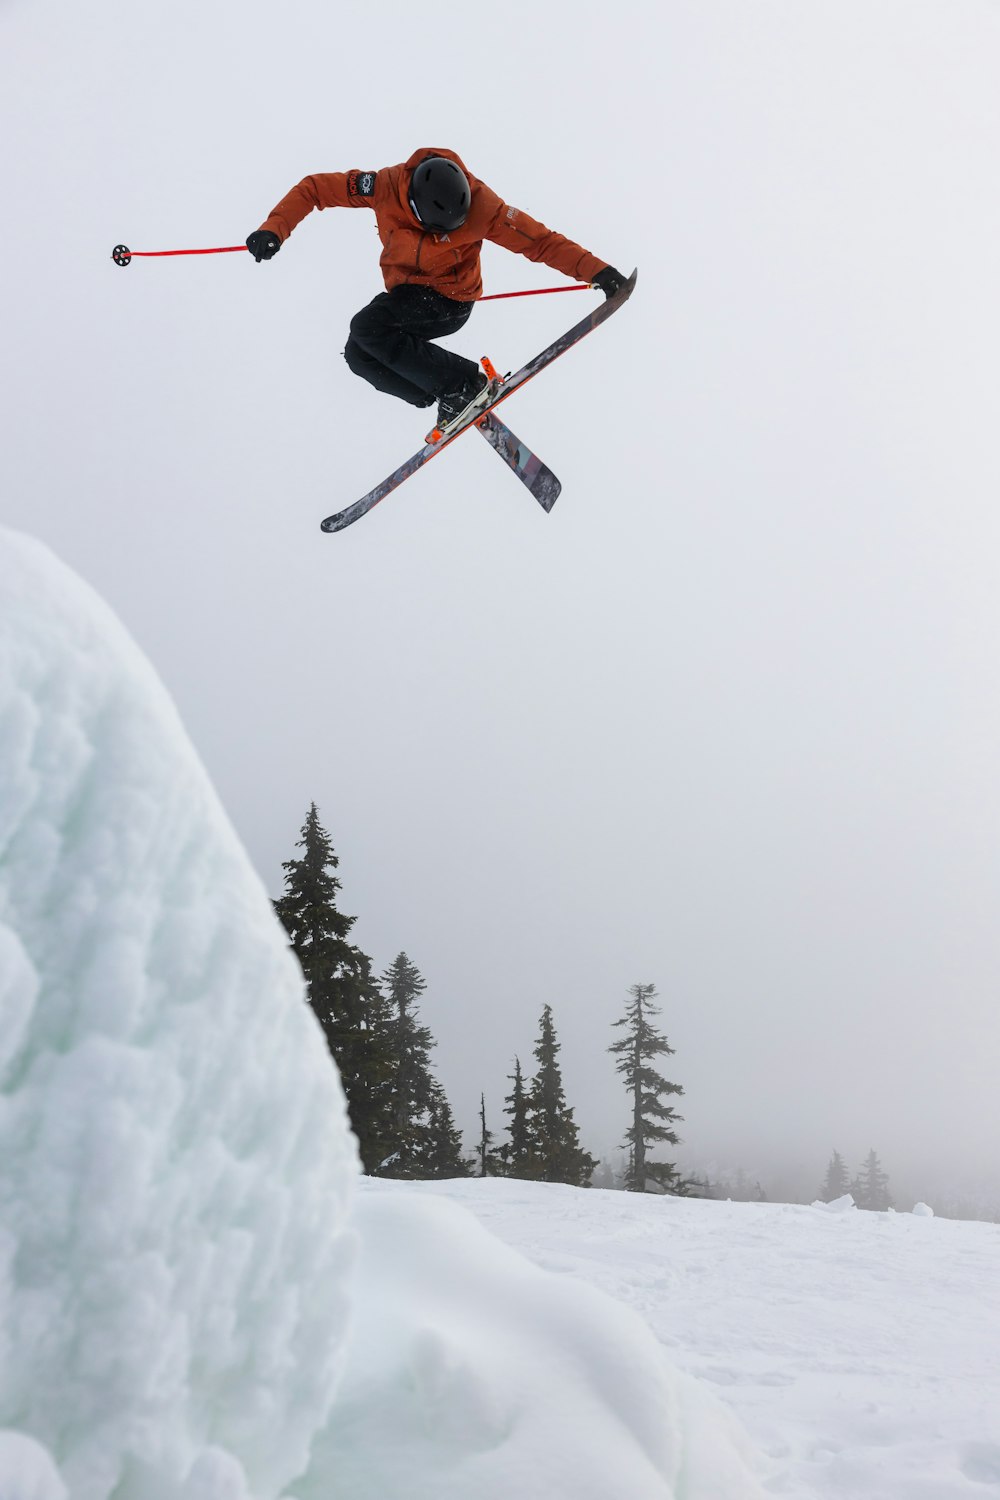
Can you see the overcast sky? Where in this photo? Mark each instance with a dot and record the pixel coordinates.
(729, 719)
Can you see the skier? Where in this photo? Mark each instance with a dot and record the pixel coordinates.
(432, 217)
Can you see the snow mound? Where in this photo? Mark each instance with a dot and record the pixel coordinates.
(923, 1210)
(175, 1161)
(836, 1205)
(474, 1372)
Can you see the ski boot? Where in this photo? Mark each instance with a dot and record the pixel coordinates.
(458, 409)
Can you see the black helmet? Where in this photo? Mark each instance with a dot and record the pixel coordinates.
(440, 195)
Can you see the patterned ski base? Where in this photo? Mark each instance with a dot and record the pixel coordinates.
(528, 467)
(580, 330)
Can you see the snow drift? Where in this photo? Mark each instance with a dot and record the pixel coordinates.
(177, 1290)
(479, 1374)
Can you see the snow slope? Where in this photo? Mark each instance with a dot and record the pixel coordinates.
(861, 1351)
(177, 1295)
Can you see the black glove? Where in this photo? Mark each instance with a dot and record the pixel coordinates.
(263, 243)
(609, 281)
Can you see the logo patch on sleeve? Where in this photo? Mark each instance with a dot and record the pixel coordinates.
(361, 184)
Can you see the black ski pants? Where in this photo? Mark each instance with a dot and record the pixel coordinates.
(390, 344)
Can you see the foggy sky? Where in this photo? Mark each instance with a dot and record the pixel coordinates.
(728, 719)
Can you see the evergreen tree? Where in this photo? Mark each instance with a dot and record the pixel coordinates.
(444, 1156)
(516, 1151)
(836, 1183)
(556, 1152)
(341, 988)
(413, 1083)
(652, 1120)
(873, 1186)
(490, 1156)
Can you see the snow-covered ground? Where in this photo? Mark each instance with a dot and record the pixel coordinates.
(861, 1351)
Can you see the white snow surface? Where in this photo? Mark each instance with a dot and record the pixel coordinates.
(27, 1471)
(861, 1351)
(476, 1373)
(181, 1317)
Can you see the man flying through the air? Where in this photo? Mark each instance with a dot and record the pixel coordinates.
(432, 217)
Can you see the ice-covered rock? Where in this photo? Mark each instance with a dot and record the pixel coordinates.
(923, 1210)
(175, 1161)
(836, 1205)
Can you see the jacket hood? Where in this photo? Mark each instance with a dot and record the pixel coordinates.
(426, 151)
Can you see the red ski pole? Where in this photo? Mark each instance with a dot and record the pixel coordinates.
(540, 291)
(122, 255)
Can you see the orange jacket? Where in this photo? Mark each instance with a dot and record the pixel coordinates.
(447, 262)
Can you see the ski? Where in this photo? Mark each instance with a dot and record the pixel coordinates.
(600, 314)
(528, 467)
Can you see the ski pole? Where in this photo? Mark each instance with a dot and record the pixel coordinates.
(540, 291)
(122, 255)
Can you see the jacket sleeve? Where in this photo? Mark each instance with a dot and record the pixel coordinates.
(519, 232)
(322, 190)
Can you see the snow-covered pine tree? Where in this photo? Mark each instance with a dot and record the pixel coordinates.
(872, 1185)
(413, 1083)
(445, 1156)
(652, 1120)
(557, 1154)
(836, 1183)
(340, 986)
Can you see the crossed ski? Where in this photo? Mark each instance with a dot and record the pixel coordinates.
(538, 478)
